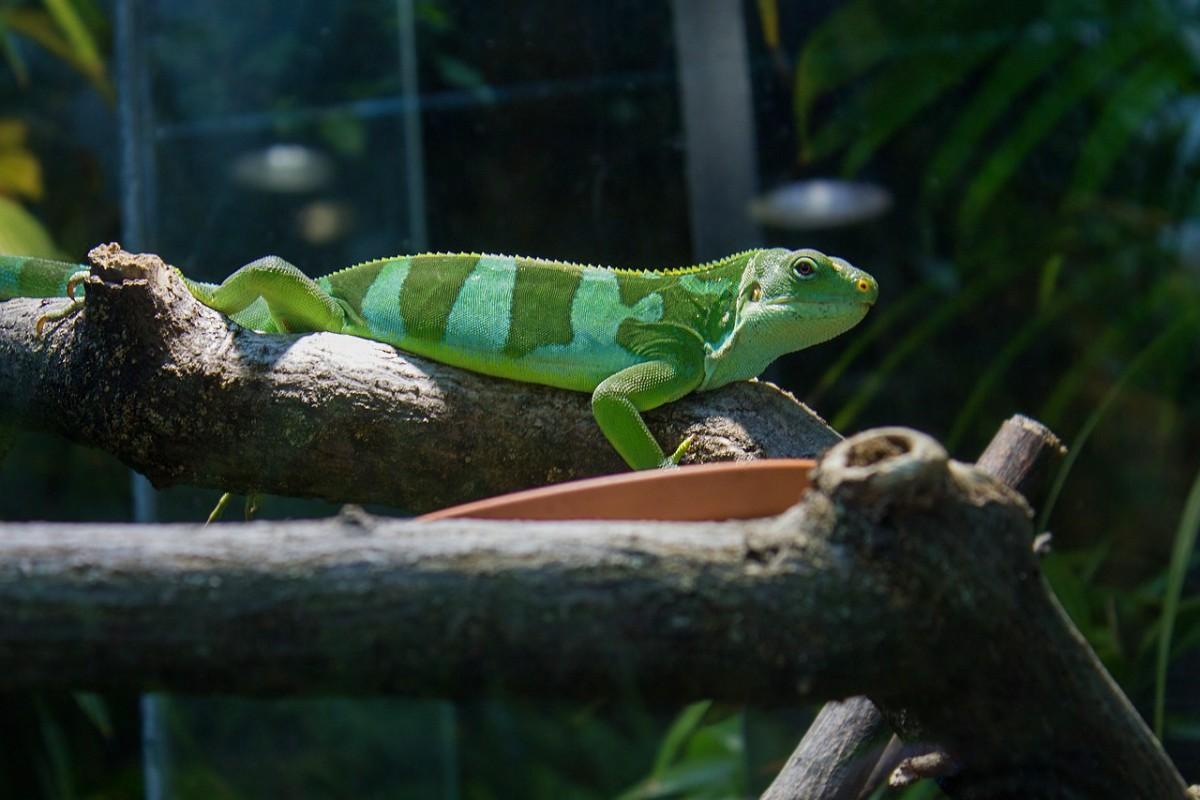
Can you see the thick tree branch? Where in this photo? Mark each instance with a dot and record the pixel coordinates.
(180, 394)
(901, 576)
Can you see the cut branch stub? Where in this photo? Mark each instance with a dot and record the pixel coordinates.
(895, 462)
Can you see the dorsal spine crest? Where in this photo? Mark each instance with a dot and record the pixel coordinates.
(691, 269)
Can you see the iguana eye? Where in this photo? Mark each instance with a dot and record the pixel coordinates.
(805, 267)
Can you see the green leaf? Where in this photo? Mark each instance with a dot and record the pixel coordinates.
(1081, 78)
(1129, 324)
(12, 55)
(1048, 280)
(677, 735)
(1070, 590)
(896, 98)
(1071, 383)
(768, 17)
(938, 317)
(921, 790)
(928, 64)
(912, 300)
(1026, 336)
(1187, 152)
(703, 760)
(96, 710)
(690, 776)
(849, 42)
(41, 28)
(80, 38)
(1183, 324)
(20, 170)
(21, 234)
(1134, 100)
(1181, 556)
(1187, 729)
(20, 173)
(55, 770)
(1187, 632)
(1024, 63)
(934, 49)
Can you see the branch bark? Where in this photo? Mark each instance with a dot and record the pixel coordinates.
(902, 576)
(182, 395)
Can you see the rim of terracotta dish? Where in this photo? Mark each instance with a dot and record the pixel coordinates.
(724, 490)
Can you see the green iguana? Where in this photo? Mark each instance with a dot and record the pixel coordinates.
(634, 339)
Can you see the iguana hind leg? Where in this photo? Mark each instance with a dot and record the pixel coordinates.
(294, 301)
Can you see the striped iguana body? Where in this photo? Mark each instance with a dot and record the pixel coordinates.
(635, 339)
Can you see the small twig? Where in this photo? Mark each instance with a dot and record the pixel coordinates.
(934, 764)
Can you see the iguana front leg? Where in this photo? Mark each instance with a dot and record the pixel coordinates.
(619, 399)
(294, 301)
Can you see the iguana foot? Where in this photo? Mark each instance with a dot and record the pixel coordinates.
(71, 308)
(674, 459)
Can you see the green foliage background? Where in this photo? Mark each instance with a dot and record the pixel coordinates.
(1050, 153)
(1042, 255)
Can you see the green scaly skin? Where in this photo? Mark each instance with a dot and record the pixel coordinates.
(634, 339)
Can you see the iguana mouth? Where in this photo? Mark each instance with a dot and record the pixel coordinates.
(785, 301)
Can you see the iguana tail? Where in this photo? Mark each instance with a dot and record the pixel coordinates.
(25, 276)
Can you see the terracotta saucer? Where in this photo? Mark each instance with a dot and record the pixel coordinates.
(726, 490)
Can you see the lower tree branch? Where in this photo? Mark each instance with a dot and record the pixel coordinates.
(182, 395)
(902, 576)
(836, 758)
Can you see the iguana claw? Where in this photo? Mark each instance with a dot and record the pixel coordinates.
(74, 281)
(674, 459)
(67, 310)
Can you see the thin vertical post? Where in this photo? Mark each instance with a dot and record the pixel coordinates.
(414, 155)
(137, 191)
(718, 124)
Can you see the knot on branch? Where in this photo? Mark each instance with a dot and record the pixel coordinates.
(893, 463)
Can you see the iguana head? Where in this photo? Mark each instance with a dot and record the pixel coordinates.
(788, 300)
